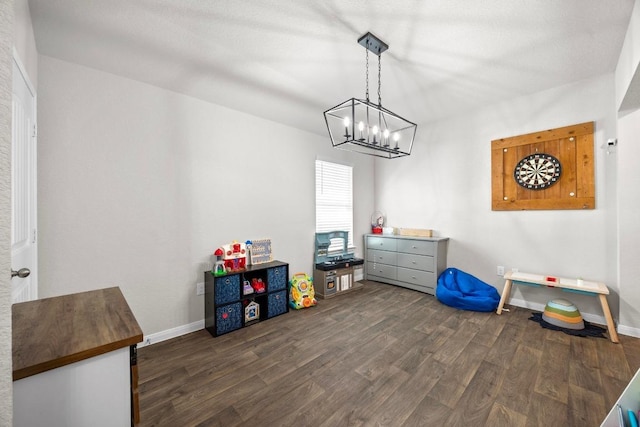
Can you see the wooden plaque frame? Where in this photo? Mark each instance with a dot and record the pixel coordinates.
(575, 189)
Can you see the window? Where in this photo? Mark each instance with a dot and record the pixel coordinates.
(334, 199)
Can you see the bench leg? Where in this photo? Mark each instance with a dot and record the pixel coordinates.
(613, 335)
(505, 295)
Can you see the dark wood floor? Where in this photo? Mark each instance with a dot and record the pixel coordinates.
(385, 356)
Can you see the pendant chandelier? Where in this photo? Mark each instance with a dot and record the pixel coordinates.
(364, 127)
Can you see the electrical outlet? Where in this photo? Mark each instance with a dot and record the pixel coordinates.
(500, 270)
(200, 288)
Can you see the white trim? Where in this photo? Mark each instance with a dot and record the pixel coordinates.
(171, 333)
(629, 331)
(23, 71)
(331, 159)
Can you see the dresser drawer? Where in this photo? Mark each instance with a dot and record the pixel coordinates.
(417, 277)
(382, 243)
(382, 257)
(416, 262)
(381, 270)
(418, 247)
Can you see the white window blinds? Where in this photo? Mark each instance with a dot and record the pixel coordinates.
(334, 199)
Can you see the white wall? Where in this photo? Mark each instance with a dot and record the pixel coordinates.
(24, 40)
(629, 224)
(446, 186)
(138, 186)
(628, 67)
(6, 55)
(628, 106)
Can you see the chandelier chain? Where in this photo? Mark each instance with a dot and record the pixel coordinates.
(367, 69)
(379, 82)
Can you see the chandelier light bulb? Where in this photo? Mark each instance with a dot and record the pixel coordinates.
(385, 133)
(375, 132)
(346, 122)
(396, 138)
(361, 128)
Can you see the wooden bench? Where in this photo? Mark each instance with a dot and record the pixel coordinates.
(596, 289)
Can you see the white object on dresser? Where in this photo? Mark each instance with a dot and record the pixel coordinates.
(410, 262)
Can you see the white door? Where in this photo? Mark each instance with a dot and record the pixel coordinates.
(24, 248)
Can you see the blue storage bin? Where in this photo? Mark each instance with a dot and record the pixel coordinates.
(277, 303)
(277, 278)
(227, 289)
(228, 318)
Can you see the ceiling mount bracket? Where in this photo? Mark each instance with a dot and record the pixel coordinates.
(373, 43)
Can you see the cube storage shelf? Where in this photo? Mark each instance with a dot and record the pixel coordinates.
(225, 302)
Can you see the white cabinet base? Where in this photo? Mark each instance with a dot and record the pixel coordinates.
(93, 392)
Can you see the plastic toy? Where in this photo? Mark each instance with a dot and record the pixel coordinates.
(246, 288)
(251, 311)
(218, 268)
(258, 285)
(302, 294)
(234, 256)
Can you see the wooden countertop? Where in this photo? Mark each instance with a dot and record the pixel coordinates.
(53, 332)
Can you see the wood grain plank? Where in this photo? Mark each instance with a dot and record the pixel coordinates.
(346, 362)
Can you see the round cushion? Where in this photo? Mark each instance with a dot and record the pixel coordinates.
(562, 313)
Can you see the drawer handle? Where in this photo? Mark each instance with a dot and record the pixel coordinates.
(413, 277)
(413, 262)
(414, 247)
(227, 281)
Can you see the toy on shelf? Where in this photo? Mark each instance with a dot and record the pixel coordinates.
(258, 285)
(251, 311)
(218, 268)
(302, 294)
(260, 251)
(234, 256)
(246, 288)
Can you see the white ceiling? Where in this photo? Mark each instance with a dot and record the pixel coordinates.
(289, 60)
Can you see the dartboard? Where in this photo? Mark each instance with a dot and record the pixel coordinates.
(537, 171)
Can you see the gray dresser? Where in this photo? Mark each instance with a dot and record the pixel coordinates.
(411, 262)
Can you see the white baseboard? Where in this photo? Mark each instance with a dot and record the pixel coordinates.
(589, 317)
(196, 326)
(629, 331)
(171, 333)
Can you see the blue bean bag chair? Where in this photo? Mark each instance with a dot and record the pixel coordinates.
(461, 290)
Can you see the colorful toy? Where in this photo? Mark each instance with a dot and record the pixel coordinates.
(234, 256)
(562, 313)
(218, 269)
(251, 312)
(302, 294)
(246, 288)
(258, 285)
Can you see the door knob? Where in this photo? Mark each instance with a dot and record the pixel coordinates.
(22, 273)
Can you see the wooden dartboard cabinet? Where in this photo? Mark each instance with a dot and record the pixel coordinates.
(569, 185)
